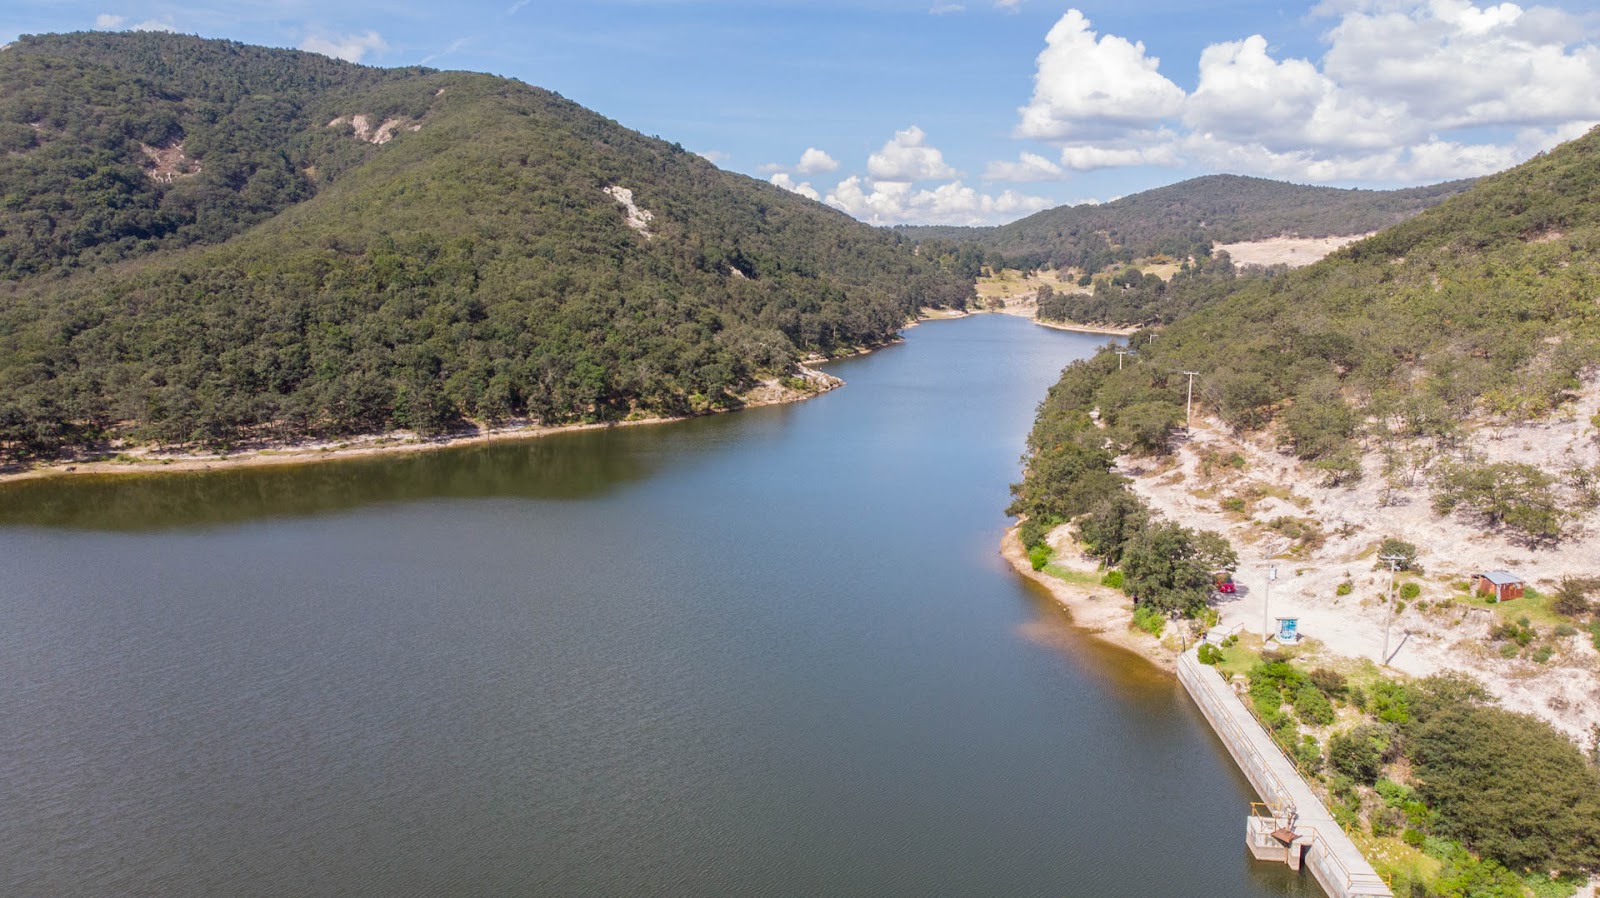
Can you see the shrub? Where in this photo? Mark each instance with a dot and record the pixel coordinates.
(1149, 619)
(1312, 706)
(1410, 591)
(1209, 654)
(1413, 837)
(1331, 682)
(1543, 654)
(1359, 754)
(1112, 579)
(1390, 702)
(1562, 631)
(1519, 632)
(1309, 754)
(1234, 504)
(1571, 597)
(1344, 589)
(1039, 556)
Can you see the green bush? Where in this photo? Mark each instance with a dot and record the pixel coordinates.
(1390, 702)
(1149, 619)
(1359, 753)
(1209, 654)
(1312, 706)
(1039, 556)
(1543, 654)
(1331, 682)
(1112, 579)
(1309, 754)
(1344, 589)
(1413, 837)
(1410, 591)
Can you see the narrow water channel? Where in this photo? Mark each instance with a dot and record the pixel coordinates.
(769, 653)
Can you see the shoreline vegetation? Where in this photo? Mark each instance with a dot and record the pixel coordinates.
(150, 460)
(128, 461)
(1101, 612)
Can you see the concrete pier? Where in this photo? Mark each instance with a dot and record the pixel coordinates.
(1290, 825)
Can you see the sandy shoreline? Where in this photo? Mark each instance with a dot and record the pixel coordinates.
(147, 461)
(1101, 612)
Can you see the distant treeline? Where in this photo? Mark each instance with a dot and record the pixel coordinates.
(1186, 219)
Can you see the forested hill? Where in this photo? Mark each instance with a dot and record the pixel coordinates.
(1481, 309)
(204, 242)
(1184, 219)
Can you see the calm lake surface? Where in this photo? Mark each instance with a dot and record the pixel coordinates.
(770, 653)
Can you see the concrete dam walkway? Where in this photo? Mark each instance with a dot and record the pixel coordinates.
(1291, 825)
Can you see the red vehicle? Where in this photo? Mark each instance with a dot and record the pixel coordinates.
(1224, 583)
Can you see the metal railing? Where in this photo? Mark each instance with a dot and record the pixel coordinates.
(1280, 803)
(1280, 799)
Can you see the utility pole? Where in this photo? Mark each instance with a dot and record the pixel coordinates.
(1394, 562)
(1122, 352)
(1266, 605)
(1188, 412)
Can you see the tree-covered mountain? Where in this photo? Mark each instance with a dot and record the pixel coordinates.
(1184, 219)
(206, 242)
(1482, 308)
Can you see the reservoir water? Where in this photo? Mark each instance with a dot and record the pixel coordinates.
(768, 653)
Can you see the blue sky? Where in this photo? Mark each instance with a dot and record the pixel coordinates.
(982, 111)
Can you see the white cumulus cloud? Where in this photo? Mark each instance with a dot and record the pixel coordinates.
(804, 188)
(350, 47)
(1028, 167)
(907, 158)
(107, 21)
(814, 161)
(1407, 90)
(897, 202)
(1090, 88)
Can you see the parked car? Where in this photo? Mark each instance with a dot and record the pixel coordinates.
(1224, 583)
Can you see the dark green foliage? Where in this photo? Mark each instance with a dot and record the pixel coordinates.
(1038, 557)
(1185, 218)
(1360, 753)
(1391, 702)
(1272, 683)
(1149, 619)
(473, 268)
(1509, 787)
(1400, 549)
(1209, 654)
(1312, 706)
(1113, 579)
(1571, 596)
(1331, 682)
(1517, 496)
(1518, 632)
(1125, 301)
(1410, 591)
(1481, 305)
(1169, 567)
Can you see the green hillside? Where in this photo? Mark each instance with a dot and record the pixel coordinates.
(1481, 309)
(286, 278)
(1186, 218)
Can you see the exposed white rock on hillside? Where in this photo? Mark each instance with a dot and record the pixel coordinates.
(638, 219)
